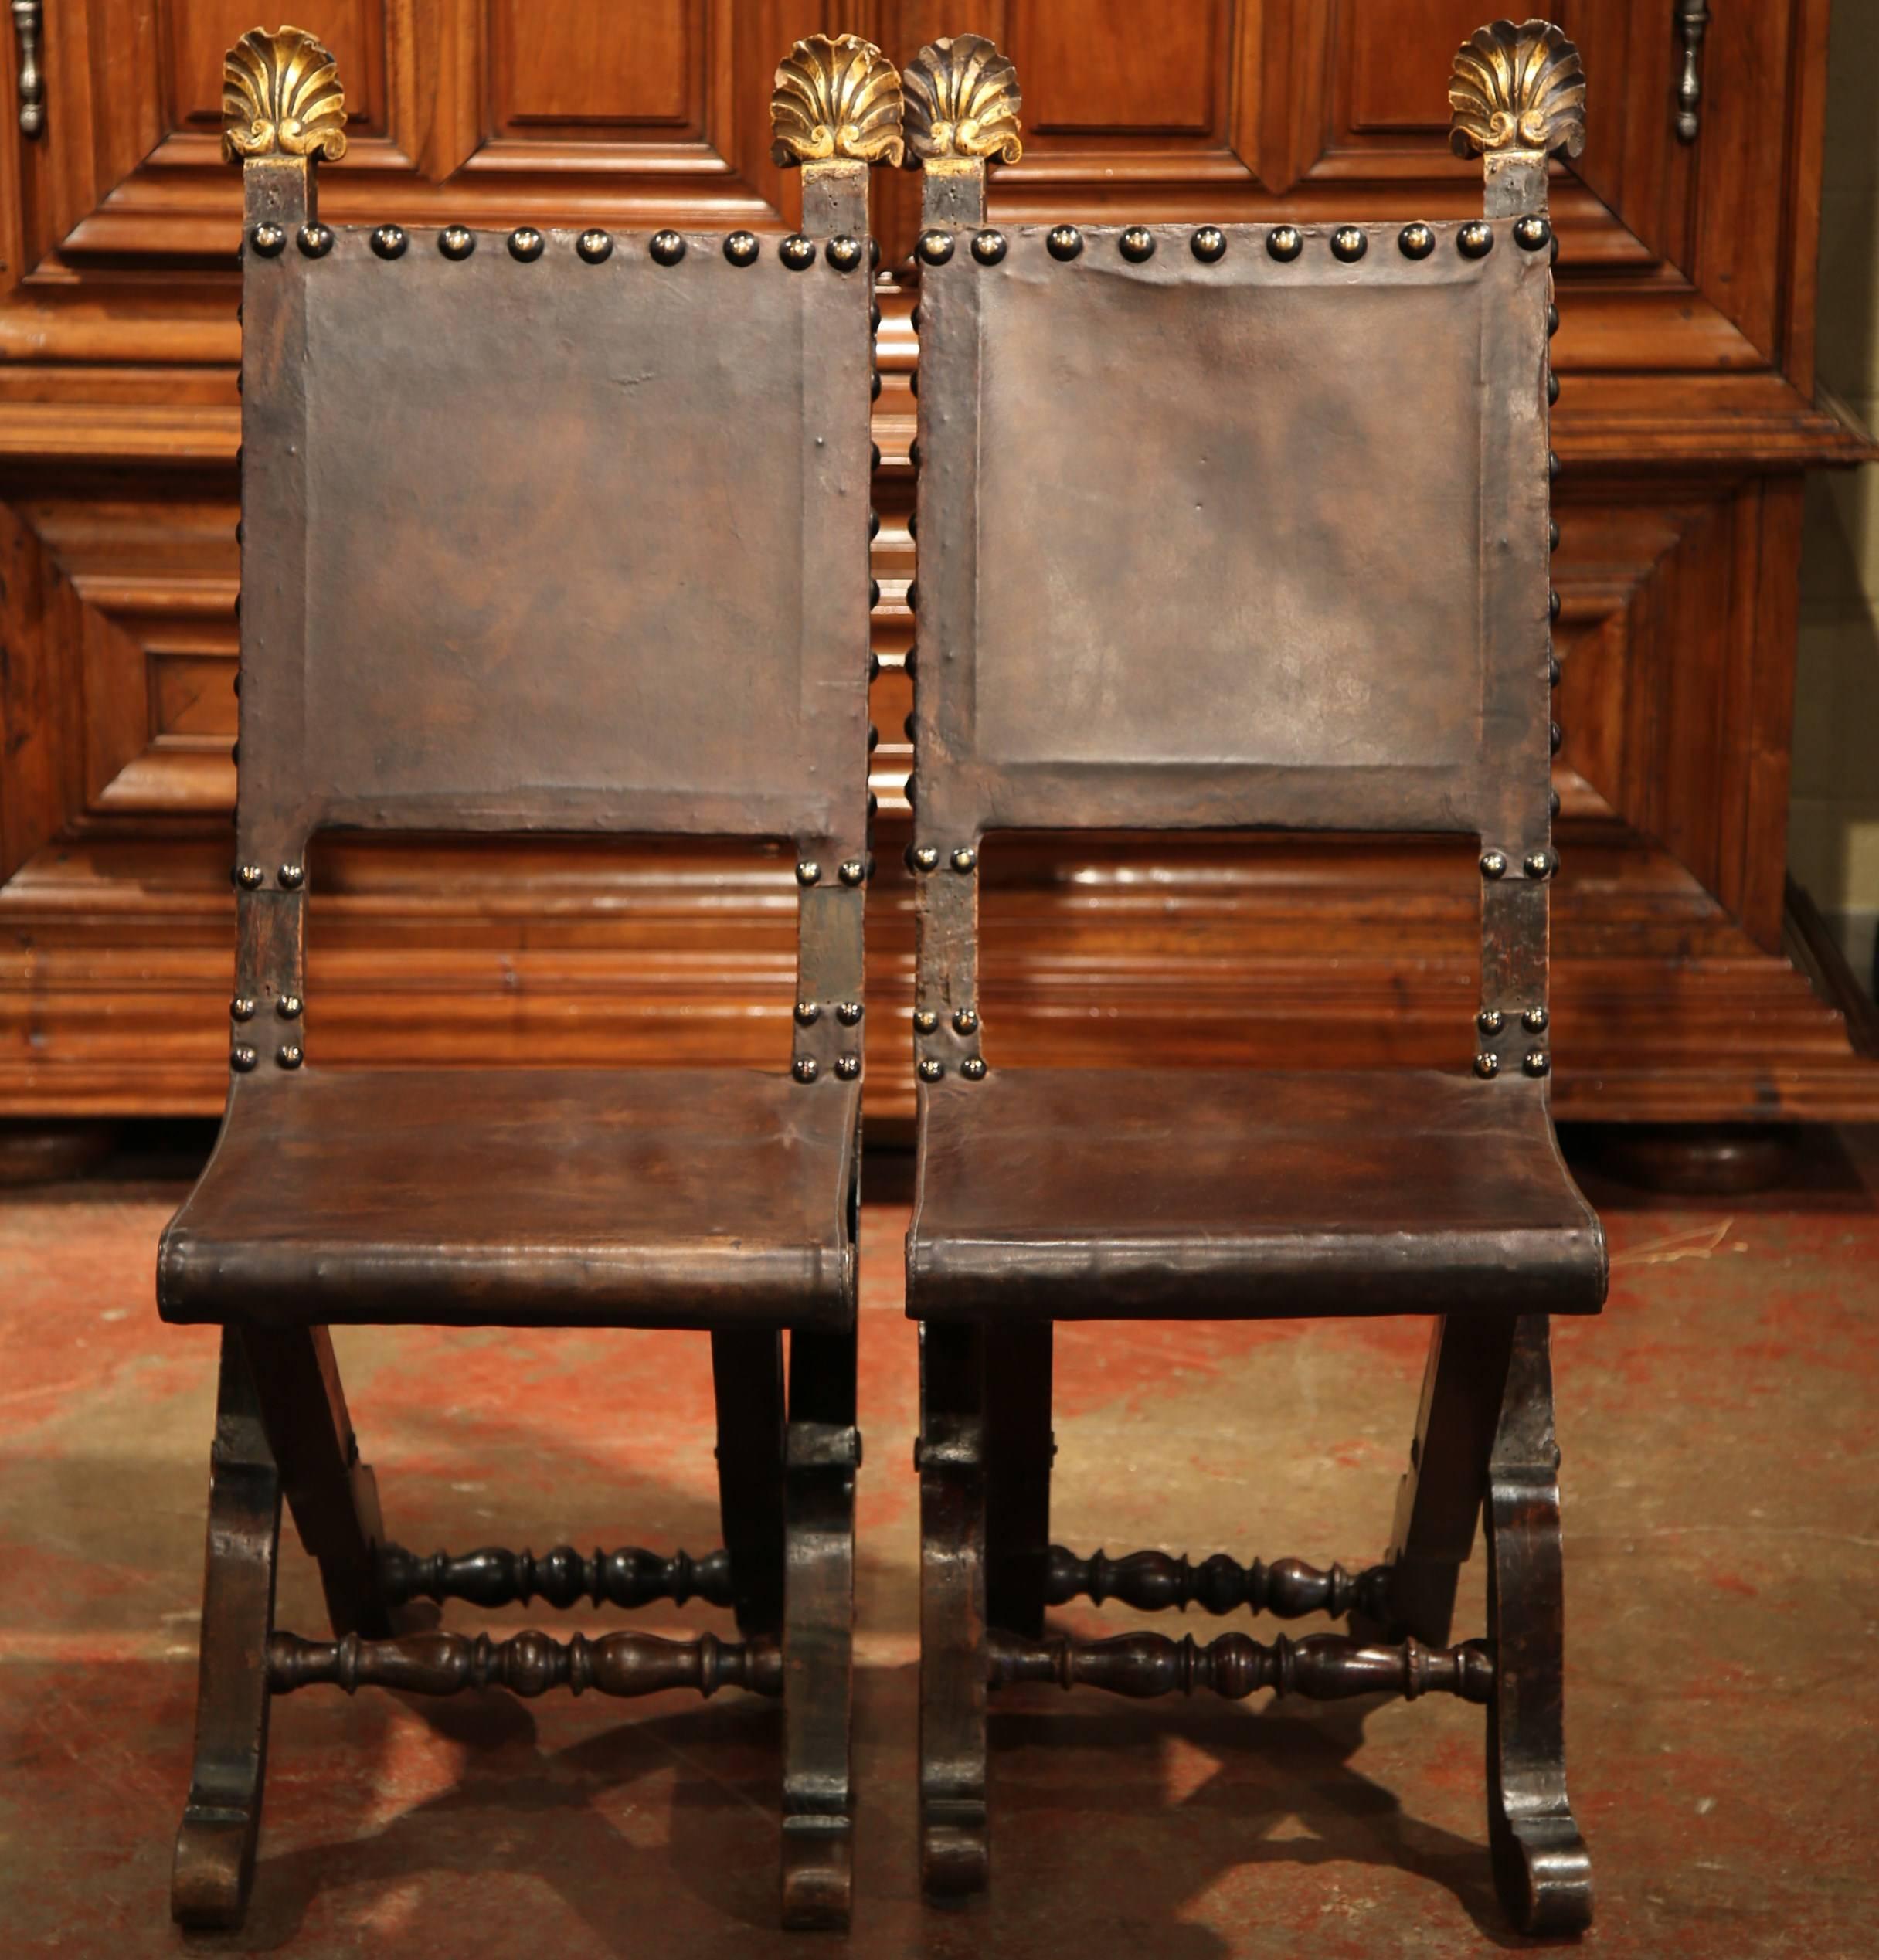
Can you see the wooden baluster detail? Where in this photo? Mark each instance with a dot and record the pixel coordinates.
(1321, 1667)
(530, 1664)
(492, 1576)
(1154, 1581)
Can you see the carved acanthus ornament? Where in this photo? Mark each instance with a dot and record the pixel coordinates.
(836, 101)
(1518, 89)
(963, 102)
(280, 96)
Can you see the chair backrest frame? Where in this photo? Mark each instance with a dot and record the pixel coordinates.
(1446, 725)
(586, 643)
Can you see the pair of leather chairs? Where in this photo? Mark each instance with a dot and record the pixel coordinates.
(1232, 527)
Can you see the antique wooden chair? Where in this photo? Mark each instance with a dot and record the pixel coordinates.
(542, 532)
(1290, 573)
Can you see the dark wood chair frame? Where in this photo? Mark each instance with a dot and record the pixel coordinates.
(1485, 1431)
(786, 1466)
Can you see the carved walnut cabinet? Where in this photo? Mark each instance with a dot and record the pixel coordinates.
(1690, 983)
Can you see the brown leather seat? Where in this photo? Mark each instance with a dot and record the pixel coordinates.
(652, 1197)
(1135, 1193)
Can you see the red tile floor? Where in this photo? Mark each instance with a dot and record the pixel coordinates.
(1722, 1510)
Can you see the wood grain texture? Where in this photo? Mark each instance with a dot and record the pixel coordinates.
(1686, 293)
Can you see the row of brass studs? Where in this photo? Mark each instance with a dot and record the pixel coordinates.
(1536, 1063)
(242, 1058)
(925, 857)
(1284, 243)
(1536, 863)
(251, 877)
(851, 871)
(526, 244)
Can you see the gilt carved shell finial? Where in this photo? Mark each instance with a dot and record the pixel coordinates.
(963, 100)
(281, 95)
(1517, 88)
(836, 99)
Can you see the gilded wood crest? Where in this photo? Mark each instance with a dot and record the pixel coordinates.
(1517, 88)
(963, 100)
(836, 99)
(281, 95)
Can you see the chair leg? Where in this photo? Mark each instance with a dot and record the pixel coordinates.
(222, 1820)
(1438, 1501)
(332, 1494)
(1019, 1448)
(954, 1858)
(747, 1374)
(822, 1454)
(1542, 1869)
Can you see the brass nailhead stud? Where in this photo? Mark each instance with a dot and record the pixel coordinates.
(847, 1012)
(242, 1058)
(595, 245)
(267, 239)
(1552, 606)
(973, 1068)
(1533, 232)
(1284, 243)
(1493, 863)
(966, 1020)
(807, 1013)
(807, 871)
(930, 1069)
(242, 1007)
(289, 1057)
(1552, 320)
(847, 1067)
(525, 244)
(1534, 1020)
(288, 1006)
(1538, 863)
(925, 1020)
(1475, 241)
(1555, 737)
(852, 871)
(988, 248)
(804, 1068)
(1415, 241)
(1208, 245)
(925, 857)
(291, 877)
(1136, 244)
(249, 877)
(457, 241)
(935, 247)
(1552, 669)
(315, 238)
(1538, 1062)
(1490, 1020)
(1063, 242)
(742, 248)
(964, 858)
(1552, 534)
(389, 241)
(1487, 1066)
(666, 248)
(797, 253)
(1552, 388)
(844, 254)
(1349, 243)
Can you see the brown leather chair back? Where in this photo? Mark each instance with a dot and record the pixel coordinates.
(548, 530)
(1235, 526)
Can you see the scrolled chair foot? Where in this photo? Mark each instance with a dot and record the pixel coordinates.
(214, 1868)
(955, 1855)
(818, 1873)
(1543, 1874)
